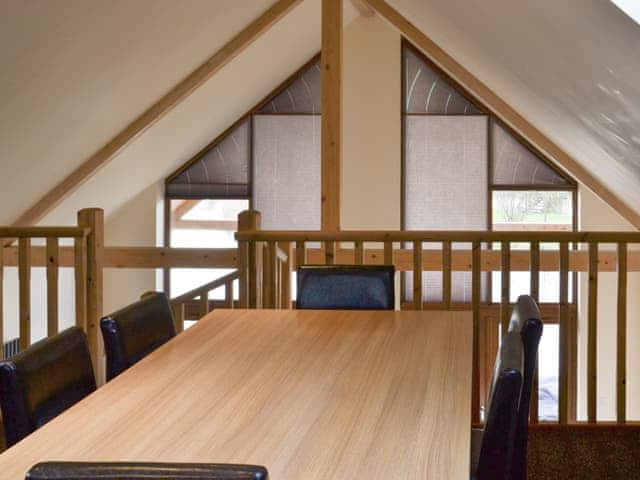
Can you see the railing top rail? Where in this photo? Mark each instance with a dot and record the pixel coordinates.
(44, 232)
(219, 282)
(437, 236)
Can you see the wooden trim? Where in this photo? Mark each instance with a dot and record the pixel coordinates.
(563, 377)
(178, 316)
(446, 274)
(42, 232)
(363, 7)
(505, 287)
(52, 286)
(475, 301)
(161, 257)
(93, 218)
(621, 349)
(24, 281)
(1, 305)
(331, 143)
(501, 109)
(207, 287)
(80, 276)
(358, 252)
(417, 275)
(301, 254)
(592, 332)
(438, 236)
(226, 225)
(163, 106)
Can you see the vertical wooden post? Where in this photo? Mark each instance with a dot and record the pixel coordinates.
(621, 350)
(285, 276)
(250, 284)
(80, 275)
(417, 275)
(301, 254)
(563, 380)
(93, 218)
(178, 316)
(228, 295)
(505, 267)
(24, 280)
(592, 331)
(476, 258)
(388, 253)
(535, 293)
(1, 299)
(204, 303)
(269, 269)
(331, 84)
(358, 252)
(52, 286)
(446, 274)
(329, 252)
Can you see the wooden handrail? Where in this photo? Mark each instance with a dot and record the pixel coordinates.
(437, 236)
(44, 232)
(206, 288)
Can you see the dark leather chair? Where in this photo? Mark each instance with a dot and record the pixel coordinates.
(526, 321)
(346, 287)
(133, 332)
(497, 445)
(144, 471)
(43, 381)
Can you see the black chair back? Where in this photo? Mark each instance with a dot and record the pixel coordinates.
(145, 471)
(346, 287)
(526, 322)
(498, 439)
(135, 331)
(43, 381)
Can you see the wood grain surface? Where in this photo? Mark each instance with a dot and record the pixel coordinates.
(308, 394)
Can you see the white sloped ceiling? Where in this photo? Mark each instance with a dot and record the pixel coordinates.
(570, 67)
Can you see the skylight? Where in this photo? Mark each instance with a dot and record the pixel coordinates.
(630, 7)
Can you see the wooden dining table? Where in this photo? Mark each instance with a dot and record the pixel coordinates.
(308, 394)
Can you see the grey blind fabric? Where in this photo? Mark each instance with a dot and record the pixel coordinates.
(223, 171)
(301, 96)
(514, 164)
(446, 186)
(286, 185)
(426, 91)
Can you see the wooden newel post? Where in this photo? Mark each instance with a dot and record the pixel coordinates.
(93, 218)
(249, 262)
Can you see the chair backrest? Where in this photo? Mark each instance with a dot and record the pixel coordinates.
(43, 381)
(526, 322)
(135, 331)
(498, 439)
(346, 287)
(144, 471)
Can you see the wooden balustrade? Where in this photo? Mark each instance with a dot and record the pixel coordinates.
(519, 251)
(48, 256)
(201, 294)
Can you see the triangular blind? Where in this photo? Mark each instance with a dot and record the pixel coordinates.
(302, 96)
(222, 172)
(515, 165)
(428, 92)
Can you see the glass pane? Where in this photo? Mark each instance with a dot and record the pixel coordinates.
(548, 368)
(515, 164)
(427, 91)
(287, 171)
(445, 187)
(532, 210)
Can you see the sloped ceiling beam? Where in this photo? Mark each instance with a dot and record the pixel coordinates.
(363, 7)
(501, 108)
(181, 91)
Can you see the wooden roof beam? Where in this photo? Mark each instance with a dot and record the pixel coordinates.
(500, 108)
(163, 106)
(363, 7)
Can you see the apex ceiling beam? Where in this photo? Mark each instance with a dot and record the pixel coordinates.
(363, 7)
(163, 106)
(331, 82)
(498, 106)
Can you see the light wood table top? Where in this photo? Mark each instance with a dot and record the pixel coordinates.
(308, 394)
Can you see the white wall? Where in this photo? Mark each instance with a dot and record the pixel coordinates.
(595, 215)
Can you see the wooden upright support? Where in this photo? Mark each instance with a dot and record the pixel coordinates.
(249, 261)
(52, 286)
(93, 218)
(331, 80)
(24, 280)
